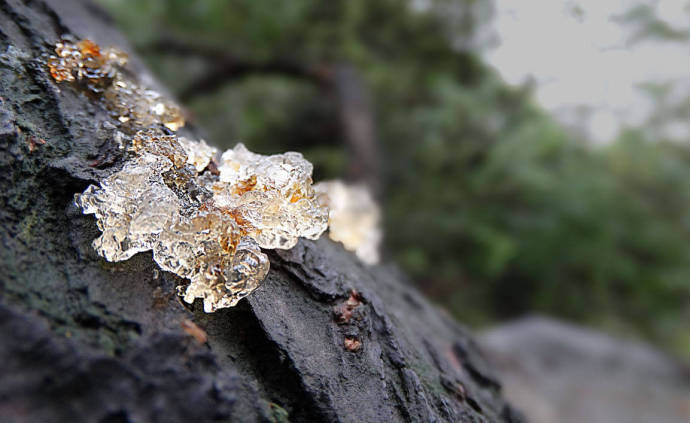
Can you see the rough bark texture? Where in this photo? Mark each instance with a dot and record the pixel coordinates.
(85, 340)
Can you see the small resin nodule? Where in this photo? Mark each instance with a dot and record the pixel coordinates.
(354, 218)
(85, 60)
(100, 70)
(208, 227)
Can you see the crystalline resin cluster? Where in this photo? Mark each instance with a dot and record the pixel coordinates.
(204, 227)
(203, 221)
(354, 218)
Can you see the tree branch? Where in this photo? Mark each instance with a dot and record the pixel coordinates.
(340, 81)
(227, 66)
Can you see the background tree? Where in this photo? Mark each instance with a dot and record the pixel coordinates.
(492, 206)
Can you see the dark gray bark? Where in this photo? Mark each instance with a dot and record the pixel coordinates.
(85, 340)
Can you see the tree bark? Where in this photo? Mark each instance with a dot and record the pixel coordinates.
(85, 340)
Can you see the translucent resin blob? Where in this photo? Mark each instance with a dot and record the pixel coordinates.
(202, 226)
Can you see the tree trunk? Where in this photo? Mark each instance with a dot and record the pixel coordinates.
(85, 340)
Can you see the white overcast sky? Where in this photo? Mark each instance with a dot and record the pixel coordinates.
(582, 62)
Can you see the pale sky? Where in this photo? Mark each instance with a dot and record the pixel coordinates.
(580, 61)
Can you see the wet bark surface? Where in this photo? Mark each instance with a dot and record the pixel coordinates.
(81, 339)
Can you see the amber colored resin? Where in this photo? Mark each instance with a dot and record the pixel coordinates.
(100, 70)
(204, 219)
(354, 218)
(204, 227)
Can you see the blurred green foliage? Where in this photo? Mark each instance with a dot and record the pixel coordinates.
(494, 208)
